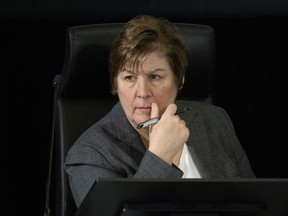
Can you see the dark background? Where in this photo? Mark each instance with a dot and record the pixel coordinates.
(251, 70)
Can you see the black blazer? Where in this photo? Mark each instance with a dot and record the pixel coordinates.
(113, 148)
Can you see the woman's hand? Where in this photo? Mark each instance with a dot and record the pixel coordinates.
(167, 137)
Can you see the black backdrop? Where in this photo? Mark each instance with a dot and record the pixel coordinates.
(252, 62)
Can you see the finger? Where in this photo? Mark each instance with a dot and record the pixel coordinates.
(170, 110)
(154, 110)
(183, 122)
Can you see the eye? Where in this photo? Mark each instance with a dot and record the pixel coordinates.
(154, 77)
(129, 78)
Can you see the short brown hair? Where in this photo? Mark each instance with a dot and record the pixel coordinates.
(141, 36)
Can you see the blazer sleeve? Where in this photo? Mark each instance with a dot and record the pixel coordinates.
(84, 164)
(239, 155)
(152, 166)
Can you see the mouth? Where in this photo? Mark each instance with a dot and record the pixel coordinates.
(144, 109)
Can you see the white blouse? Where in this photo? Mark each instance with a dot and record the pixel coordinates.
(187, 164)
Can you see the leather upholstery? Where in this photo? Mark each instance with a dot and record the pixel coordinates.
(87, 53)
(85, 97)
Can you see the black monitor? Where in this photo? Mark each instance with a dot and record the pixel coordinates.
(186, 197)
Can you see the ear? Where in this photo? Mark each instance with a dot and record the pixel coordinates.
(114, 89)
(183, 81)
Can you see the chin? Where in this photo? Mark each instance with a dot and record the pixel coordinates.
(141, 119)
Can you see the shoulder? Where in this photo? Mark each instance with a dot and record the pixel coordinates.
(99, 137)
(109, 131)
(102, 128)
(205, 112)
(201, 107)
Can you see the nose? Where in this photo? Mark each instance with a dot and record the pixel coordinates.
(143, 89)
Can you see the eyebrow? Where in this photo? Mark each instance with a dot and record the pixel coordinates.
(126, 70)
(155, 70)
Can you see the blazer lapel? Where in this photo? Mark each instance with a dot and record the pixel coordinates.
(128, 137)
(198, 145)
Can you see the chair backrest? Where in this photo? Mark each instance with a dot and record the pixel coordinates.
(85, 96)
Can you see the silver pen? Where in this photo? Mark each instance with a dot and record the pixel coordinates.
(156, 119)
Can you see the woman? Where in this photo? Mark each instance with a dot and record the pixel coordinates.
(147, 67)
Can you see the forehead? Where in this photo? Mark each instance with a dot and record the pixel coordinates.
(153, 60)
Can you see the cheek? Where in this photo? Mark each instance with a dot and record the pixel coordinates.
(165, 97)
(169, 92)
(126, 98)
(120, 89)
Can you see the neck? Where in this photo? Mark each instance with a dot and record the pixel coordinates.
(144, 135)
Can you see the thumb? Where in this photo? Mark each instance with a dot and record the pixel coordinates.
(154, 110)
(154, 113)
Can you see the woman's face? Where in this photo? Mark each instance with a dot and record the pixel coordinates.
(152, 81)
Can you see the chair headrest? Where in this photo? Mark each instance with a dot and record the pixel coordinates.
(85, 69)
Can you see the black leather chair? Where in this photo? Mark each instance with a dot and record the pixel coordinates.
(84, 96)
